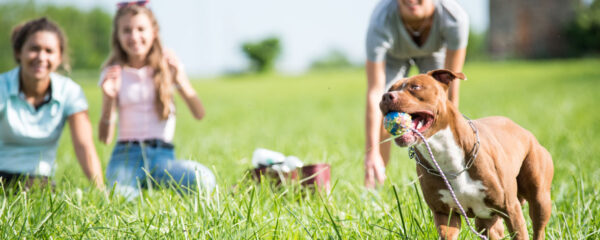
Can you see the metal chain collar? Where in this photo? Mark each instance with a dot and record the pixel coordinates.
(473, 154)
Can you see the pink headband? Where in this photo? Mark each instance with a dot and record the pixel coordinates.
(141, 3)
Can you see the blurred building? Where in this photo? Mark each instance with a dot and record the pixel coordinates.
(529, 28)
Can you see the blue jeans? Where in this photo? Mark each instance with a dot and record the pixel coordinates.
(135, 166)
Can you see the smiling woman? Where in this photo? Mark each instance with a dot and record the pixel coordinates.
(35, 104)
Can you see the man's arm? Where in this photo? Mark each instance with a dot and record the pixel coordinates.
(455, 60)
(374, 166)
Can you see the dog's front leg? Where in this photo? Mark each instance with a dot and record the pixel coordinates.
(447, 226)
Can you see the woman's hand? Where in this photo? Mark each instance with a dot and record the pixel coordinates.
(112, 81)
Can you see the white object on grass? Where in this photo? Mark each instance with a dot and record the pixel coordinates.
(265, 158)
(275, 160)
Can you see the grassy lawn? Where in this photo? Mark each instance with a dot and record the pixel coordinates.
(319, 117)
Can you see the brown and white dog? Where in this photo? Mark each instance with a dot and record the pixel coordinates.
(510, 167)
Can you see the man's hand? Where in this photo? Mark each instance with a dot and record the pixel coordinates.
(374, 169)
(374, 164)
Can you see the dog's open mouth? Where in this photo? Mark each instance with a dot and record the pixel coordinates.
(421, 121)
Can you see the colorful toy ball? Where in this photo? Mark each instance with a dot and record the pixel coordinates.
(397, 123)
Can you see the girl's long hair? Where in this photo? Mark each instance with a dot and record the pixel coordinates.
(155, 59)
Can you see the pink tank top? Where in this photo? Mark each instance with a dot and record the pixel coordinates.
(138, 119)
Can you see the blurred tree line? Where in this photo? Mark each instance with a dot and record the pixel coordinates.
(584, 31)
(262, 54)
(338, 59)
(477, 47)
(334, 59)
(88, 32)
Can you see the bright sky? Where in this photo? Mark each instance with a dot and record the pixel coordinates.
(207, 34)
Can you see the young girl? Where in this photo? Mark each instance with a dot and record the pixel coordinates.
(35, 104)
(138, 81)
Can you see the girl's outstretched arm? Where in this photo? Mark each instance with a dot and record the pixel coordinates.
(191, 98)
(185, 88)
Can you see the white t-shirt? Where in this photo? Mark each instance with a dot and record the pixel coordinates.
(388, 38)
(138, 118)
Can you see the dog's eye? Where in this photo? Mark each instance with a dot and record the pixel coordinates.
(415, 87)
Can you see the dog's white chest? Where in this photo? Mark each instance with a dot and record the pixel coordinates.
(470, 193)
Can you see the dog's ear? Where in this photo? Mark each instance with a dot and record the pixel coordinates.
(446, 76)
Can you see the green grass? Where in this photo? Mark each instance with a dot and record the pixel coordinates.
(319, 118)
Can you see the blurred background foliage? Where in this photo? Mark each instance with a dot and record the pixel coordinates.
(262, 53)
(477, 47)
(584, 31)
(333, 59)
(88, 32)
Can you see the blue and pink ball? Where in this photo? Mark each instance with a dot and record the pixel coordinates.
(397, 123)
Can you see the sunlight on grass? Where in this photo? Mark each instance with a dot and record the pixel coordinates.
(319, 118)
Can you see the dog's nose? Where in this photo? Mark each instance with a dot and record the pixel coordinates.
(389, 97)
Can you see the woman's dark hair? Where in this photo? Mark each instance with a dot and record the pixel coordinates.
(21, 32)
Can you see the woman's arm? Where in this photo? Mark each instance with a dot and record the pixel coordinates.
(455, 60)
(374, 164)
(81, 135)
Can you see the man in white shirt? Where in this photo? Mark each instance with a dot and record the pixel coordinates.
(430, 34)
